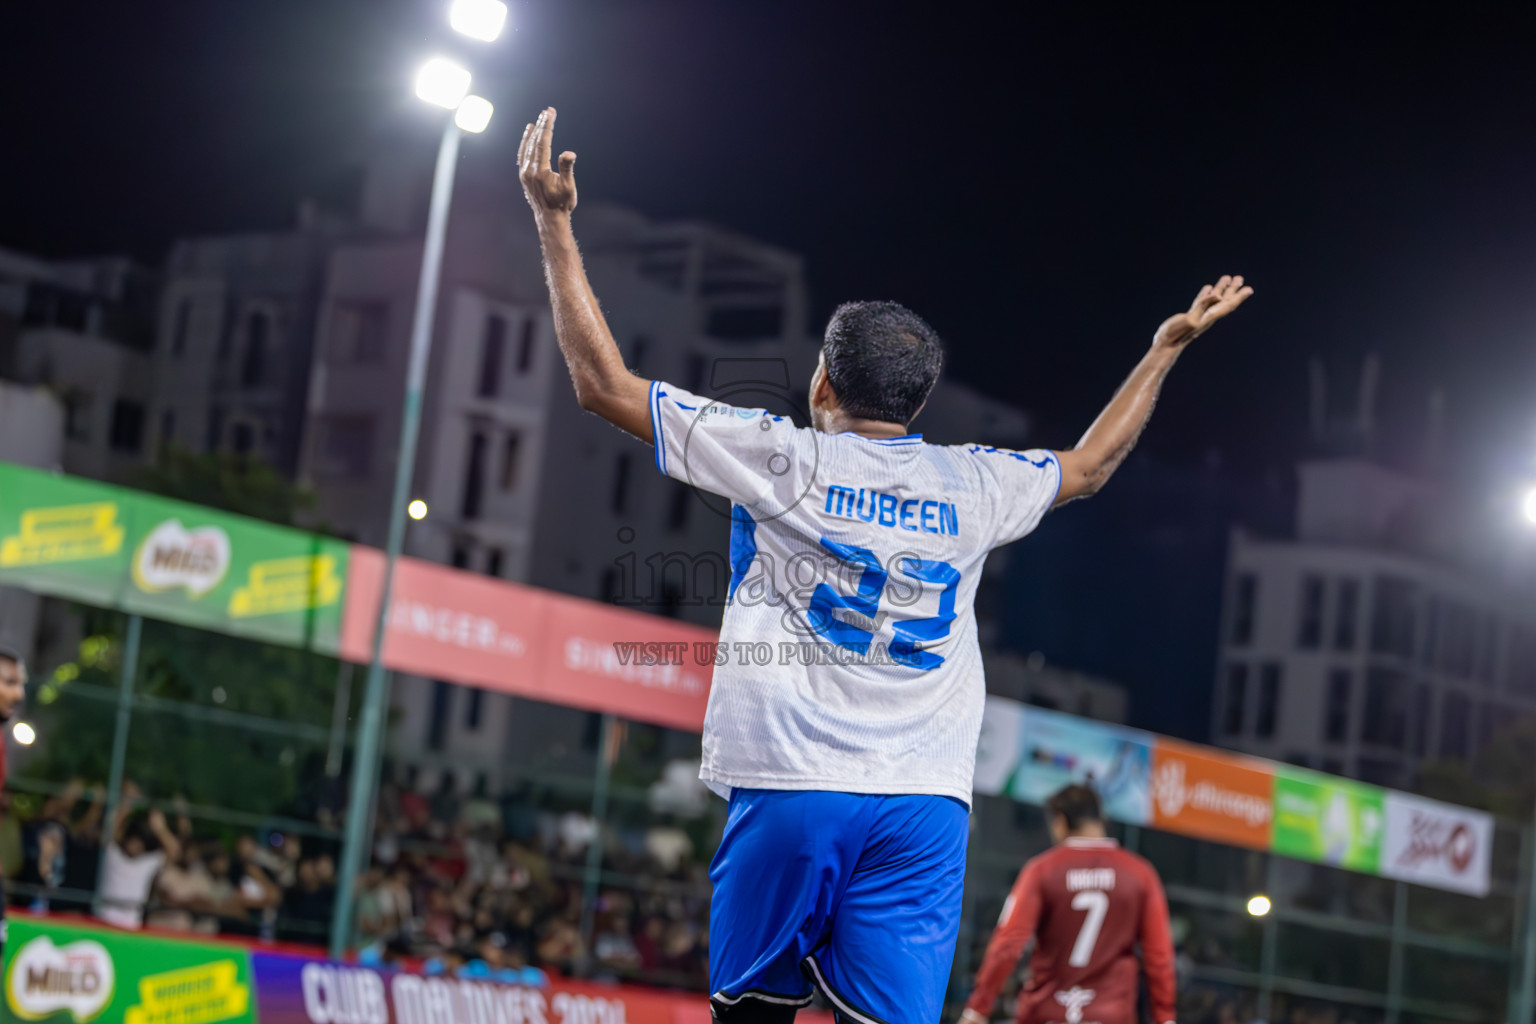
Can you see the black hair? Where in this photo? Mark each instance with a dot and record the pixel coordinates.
(13, 655)
(1077, 804)
(882, 360)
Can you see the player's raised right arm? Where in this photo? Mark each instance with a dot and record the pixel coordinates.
(1104, 447)
(603, 384)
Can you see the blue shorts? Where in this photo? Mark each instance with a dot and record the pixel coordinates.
(859, 894)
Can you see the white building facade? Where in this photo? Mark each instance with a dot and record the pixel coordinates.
(1350, 650)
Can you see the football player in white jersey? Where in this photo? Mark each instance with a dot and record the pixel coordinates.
(844, 713)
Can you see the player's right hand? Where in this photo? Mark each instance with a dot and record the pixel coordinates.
(546, 190)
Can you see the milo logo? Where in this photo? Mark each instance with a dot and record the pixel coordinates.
(45, 979)
(172, 556)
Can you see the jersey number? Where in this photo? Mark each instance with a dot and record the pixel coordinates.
(911, 634)
(1097, 905)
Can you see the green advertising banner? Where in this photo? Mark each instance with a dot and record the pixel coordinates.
(73, 974)
(1328, 820)
(62, 535)
(170, 560)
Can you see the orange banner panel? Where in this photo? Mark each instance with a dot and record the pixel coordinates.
(1201, 792)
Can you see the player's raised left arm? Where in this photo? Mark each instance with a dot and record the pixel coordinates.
(1087, 467)
(603, 384)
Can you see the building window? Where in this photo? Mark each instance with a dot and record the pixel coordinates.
(493, 559)
(1456, 727)
(183, 324)
(1429, 650)
(167, 428)
(1269, 700)
(1458, 640)
(215, 436)
(695, 372)
(1336, 717)
(346, 447)
(744, 323)
(78, 406)
(1393, 616)
(474, 477)
(493, 350)
(127, 427)
(1422, 699)
(677, 517)
(437, 725)
(1309, 628)
(525, 347)
(1245, 595)
(608, 586)
(243, 439)
(459, 557)
(1522, 660)
(1488, 642)
(621, 484)
(253, 371)
(1346, 613)
(1386, 708)
(359, 333)
(1233, 710)
(510, 449)
(473, 709)
(637, 350)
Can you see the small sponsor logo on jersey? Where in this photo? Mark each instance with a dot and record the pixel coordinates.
(45, 979)
(173, 556)
(1079, 879)
(1075, 1000)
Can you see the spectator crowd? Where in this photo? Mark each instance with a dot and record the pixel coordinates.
(473, 885)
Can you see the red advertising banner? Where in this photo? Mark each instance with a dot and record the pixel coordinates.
(466, 628)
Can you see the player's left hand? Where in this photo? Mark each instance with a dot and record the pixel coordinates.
(1214, 302)
(547, 191)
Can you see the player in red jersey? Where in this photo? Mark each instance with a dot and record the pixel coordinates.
(13, 687)
(1088, 904)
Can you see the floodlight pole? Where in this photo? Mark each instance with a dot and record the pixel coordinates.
(1525, 1006)
(370, 727)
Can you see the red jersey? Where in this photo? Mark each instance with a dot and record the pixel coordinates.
(1088, 904)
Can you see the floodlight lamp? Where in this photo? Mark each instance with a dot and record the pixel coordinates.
(1528, 505)
(417, 509)
(24, 733)
(1258, 906)
(474, 114)
(442, 83)
(478, 19)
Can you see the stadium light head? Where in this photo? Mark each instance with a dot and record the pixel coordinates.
(478, 19)
(442, 83)
(474, 114)
(417, 509)
(1528, 505)
(1258, 906)
(24, 733)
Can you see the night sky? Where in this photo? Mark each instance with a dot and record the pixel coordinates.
(1043, 182)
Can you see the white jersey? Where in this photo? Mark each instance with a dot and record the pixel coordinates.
(848, 656)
